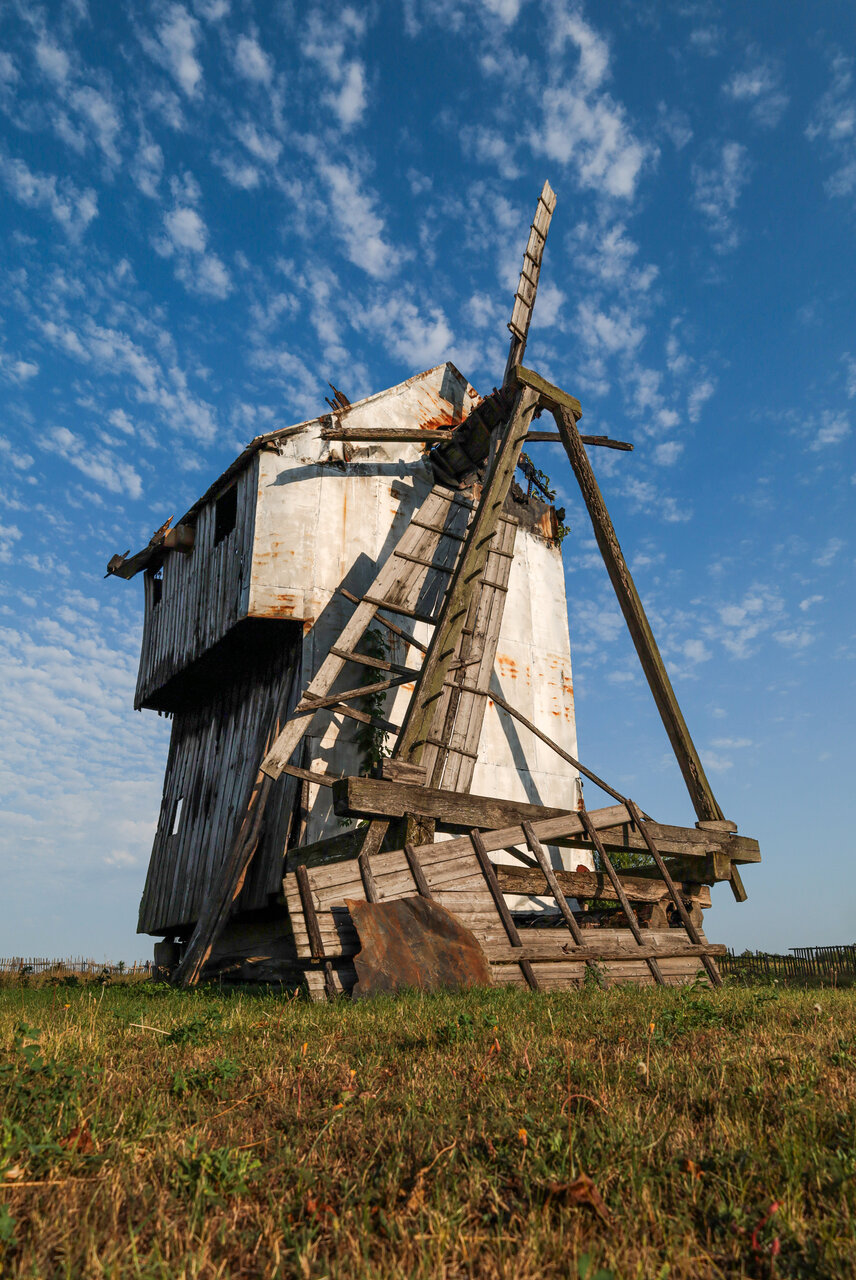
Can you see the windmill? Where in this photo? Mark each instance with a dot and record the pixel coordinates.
(413, 894)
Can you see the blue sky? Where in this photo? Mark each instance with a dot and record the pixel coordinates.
(210, 208)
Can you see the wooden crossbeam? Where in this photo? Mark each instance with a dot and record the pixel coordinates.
(359, 797)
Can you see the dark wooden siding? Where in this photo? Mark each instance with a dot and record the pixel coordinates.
(202, 593)
(216, 747)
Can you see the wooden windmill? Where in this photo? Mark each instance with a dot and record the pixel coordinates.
(403, 897)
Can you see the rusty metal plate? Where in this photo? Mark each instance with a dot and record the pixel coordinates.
(412, 942)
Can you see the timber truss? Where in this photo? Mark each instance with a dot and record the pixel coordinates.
(458, 549)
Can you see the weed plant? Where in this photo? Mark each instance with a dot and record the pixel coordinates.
(149, 1133)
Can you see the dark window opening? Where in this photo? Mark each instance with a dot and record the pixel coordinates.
(225, 514)
(157, 587)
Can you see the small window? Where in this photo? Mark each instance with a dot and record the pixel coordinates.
(176, 817)
(157, 587)
(225, 514)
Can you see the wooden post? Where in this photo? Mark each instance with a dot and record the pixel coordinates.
(701, 792)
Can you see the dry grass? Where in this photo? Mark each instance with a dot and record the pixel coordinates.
(148, 1133)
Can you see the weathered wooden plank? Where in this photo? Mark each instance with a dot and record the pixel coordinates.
(467, 698)
(550, 396)
(594, 884)
(685, 842)
(553, 437)
(366, 435)
(400, 771)
(371, 797)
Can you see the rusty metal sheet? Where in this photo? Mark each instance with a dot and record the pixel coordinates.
(412, 942)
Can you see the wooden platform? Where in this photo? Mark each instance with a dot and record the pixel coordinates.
(452, 874)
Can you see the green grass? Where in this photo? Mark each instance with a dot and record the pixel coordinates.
(249, 1135)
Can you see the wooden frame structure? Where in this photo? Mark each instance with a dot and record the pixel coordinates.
(462, 540)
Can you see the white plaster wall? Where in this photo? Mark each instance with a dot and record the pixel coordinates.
(320, 521)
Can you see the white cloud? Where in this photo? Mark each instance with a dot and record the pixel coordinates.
(695, 650)
(159, 382)
(608, 253)
(99, 464)
(582, 124)
(53, 61)
(186, 229)
(251, 61)
(505, 10)
(329, 43)
(147, 167)
(187, 238)
(715, 762)
(739, 624)
(809, 601)
(206, 275)
(833, 428)
(264, 146)
(357, 221)
(418, 335)
(825, 557)
(102, 117)
(9, 73)
(833, 123)
(175, 48)
(9, 535)
(349, 101)
(212, 10)
(241, 174)
(707, 40)
(675, 124)
(17, 371)
(717, 185)
(698, 398)
(120, 420)
(759, 86)
(667, 453)
(72, 207)
(616, 330)
(850, 385)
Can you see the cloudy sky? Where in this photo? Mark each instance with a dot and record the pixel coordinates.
(210, 208)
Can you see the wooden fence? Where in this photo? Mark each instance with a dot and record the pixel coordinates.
(76, 964)
(829, 963)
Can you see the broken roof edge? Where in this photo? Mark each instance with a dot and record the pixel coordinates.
(144, 557)
(272, 437)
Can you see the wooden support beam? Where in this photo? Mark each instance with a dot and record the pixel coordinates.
(701, 793)
(359, 797)
(392, 435)
(553, 437)
(499, 953)
(478, 847)
(551, 397)
(681, 842)
(691, 931)
(629, 913)
(587, 885)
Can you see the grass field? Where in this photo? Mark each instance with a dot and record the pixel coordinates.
(621, 1133)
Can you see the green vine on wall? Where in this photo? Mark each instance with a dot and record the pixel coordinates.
(370, 738)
